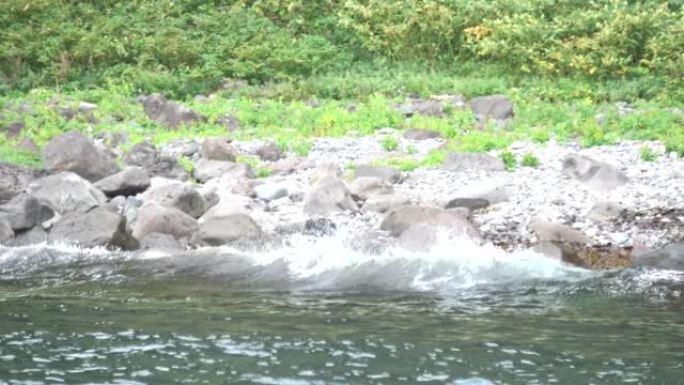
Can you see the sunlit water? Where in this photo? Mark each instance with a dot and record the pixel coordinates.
(319, 312)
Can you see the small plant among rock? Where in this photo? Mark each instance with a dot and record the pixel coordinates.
(509, 160)
(647, 154)
(186, 163)
(390, 144)
(529, 160)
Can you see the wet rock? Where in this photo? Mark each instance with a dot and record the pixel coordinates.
(595, 258)
(383, 203)
(269, 152)
(167, 113)
(595, 174)
(496, 107)
(6, 232)
(209, 169)
(29, 237)
(217, 231)
(98, 227)
(364, 187)
(158, 241)
(463, 161)
(76, 153)
(218, 149)
(389, 174)
(329, 196)
(670, 257)
(179, 195)
(421, 134)
(605, 211)
(130, 181)
(319, 227)
(25, 211)
(66, 192)
(548, 231)
(153, 217)
(404, 217)
(270, 191)
(14, 179)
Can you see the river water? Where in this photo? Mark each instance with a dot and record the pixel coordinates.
(316, 311)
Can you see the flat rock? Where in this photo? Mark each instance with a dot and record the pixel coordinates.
(129, 181)
(464, 161)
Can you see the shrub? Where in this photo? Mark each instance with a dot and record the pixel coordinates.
(389, 143)
(530, 160)
(509, 160)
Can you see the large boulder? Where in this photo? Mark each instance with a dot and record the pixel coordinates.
(269, 152)
(496, 107)
(14, 179)
(206, 169)
(383, 203)
(6, 232)
(219, 230)
(98, 227)
(168, 113)
(153, 217)
(364, 187)
(547, 231)
(129, 181)
(464, 161)
(670, 257)
(26, 211)
(74, 152)
(66, 192)
(218, 149)
(145, 155)
(179, 195)
(593, 173)
(400, 219)
(33, 236)
(389, 174)
(329, 196)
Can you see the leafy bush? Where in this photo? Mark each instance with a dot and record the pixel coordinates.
(530, 160)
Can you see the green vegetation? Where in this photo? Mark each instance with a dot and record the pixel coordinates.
(389, 143)
(647, 154)
(530, 160)
(509, 160)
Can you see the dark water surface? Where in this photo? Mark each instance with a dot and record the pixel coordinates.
(68, 317)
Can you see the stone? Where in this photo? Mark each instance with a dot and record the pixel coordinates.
(383, 203)
(66, 192)
(547, 231)
(472, 204)
(670, 258)
(421, 134)
(179, 195)
(28, 145)
(129, 181)
(176, 148)
(436, 105)
(474, 194)
(218, 231)
(319, 227)
(13, 130)
(329, 196)
(496, 107)
(153, 217)
(605, 211)
(25, 211)
(464, 161)
(595, 258)
(168, 113)
(389, 174)
(270, 191)
(159, 241)
(325, 171)
(364, 187)
(14, 180)
(85, 107)
(74, 152)
(6, 232)
(206, 169)
(218, 149)
(143, 154)
(230, 122)
(29, 237)
(98, 227)
(594, 174)
(269, 152)
(400, 219)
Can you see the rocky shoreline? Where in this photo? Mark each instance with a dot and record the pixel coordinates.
(597, 207)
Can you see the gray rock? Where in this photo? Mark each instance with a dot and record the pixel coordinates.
(66, 192)
(143, 154)
(472, 204)
(6, 232)
(329, 196)
(595, 174)
(169, 114)
(421, 134)
(14, 179)
(319, 227)
(98, 227)
(33, 236)
(206, 169)
(179, 195)
(217, 231)
(670, 257)
(13, 130)
(269, 152)
(158, 241)
(464, 161)
(325, 171)
(230, 122)
(153, 217)
(25, 211)
(496, 107)
(547, 231)
(28, 145)
(270, 191)
(364, 187)
(400, 219)
(389, 174)
(218, 149)
(76, 153)
(605, 211)
(385, 202)
(180, 147)
(129, 181)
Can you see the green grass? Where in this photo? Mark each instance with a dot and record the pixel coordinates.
(530, 160)
(389, 143)
(647, 154)
(509, 160)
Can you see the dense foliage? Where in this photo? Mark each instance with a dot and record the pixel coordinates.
(187, 45)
